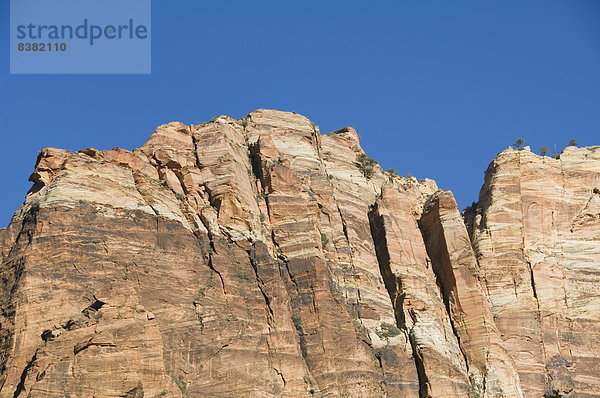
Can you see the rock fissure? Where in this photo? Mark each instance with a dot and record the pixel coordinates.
(21, 387)
(393, 286)
(261, 285)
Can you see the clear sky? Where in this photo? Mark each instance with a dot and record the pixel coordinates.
(435, 88)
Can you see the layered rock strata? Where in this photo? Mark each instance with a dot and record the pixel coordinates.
(260, 258)
(536, 233)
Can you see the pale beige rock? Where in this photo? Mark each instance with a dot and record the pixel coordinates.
(420, 310)
(491, 370)
(535, 234)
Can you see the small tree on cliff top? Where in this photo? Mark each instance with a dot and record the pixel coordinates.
(519, 143)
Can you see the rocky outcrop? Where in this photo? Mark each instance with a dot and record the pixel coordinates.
(260, 258)
(535, 233)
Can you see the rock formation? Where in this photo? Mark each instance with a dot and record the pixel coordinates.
(259, 258)
(536, 233)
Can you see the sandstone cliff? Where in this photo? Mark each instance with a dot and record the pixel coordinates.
(256, 258)
(536, 233)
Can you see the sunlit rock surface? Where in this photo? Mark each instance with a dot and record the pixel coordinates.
(260, 258)
(536, 234)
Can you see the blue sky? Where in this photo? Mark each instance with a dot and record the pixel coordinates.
(435, 88)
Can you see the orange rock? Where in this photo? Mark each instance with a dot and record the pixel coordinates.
(254, 258)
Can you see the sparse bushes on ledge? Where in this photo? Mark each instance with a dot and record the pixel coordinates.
(392, 174)
(324, 240)
(552, 394)
(519, 144)
(366, 165)
(387, 330)
(297, 322)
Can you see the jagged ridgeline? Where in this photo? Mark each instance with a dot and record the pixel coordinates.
(259, 258)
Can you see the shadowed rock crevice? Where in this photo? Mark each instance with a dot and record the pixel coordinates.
(377, 227)
(21, 386)
(18, 237)
(431, 228)
(378, 233)
(456, 268)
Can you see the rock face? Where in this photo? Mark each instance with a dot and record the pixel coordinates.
(536, 233)
(259, 258)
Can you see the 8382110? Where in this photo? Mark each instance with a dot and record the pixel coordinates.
(42, 47)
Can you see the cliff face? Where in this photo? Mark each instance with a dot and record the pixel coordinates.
(254, 258)
(536, 232)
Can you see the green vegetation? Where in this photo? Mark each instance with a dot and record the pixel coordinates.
(210, 284)
(181, 384)
(98, 315)
(324, 240)
(475, 388)
(366, 165)
(552, 394)
(391, 173)
(297, 322)
(387, 330)
(519, 143)
(298, 325)
(242, 275)
(573, 142)
(544, 150)
(347, 268)
(358, 326)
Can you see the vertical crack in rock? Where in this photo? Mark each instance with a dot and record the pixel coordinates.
(420, 366)
(11, 272)
(533, 289)
(270, 314)
(320, 316)
(12, 269)
(21, 386)
(378, 234)
(260, 283)
(456, 269)
(377, 228)
(196, 152)
(212, 267)
(437, 249)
